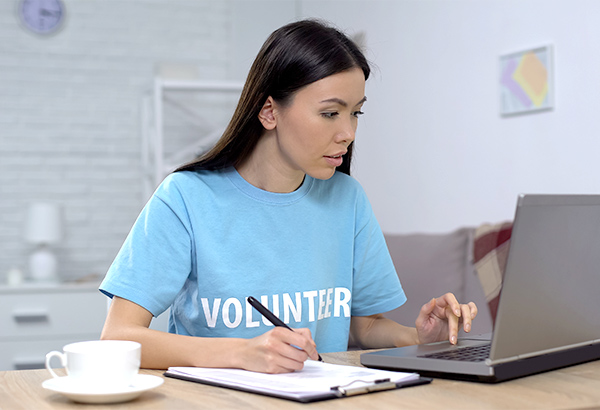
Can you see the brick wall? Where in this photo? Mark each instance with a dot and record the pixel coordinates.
(70, 116)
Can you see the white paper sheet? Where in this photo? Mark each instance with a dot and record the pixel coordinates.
(314, 378)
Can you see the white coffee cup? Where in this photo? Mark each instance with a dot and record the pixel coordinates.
(103, 364)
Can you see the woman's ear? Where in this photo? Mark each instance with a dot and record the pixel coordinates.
(267, 114)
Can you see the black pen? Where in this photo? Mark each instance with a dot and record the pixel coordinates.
(270, 316)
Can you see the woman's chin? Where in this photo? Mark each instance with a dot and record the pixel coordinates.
(322, 173)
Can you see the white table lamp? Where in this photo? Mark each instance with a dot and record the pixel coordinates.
(43, 228)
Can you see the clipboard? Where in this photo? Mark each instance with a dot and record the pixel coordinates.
(317, 381)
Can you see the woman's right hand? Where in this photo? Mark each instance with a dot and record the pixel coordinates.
(279, 351)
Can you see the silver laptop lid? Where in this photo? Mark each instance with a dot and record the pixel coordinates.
(550, 296)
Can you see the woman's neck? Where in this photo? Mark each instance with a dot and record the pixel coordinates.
(265, 170)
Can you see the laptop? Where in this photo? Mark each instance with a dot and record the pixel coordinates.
(549, 309)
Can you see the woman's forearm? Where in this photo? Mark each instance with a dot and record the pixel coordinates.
(160, 350)
(376, 331)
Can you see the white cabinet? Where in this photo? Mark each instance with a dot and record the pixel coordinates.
(36, 319)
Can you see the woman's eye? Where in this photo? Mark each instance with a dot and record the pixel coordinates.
(329, 114)
(357, 113)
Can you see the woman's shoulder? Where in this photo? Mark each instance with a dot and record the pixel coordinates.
(190, 182)
(184, 178)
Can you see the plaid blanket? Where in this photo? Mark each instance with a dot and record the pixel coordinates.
(490, 252)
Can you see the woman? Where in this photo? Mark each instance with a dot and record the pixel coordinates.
(270, 212)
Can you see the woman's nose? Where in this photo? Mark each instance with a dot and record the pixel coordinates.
(347, 134)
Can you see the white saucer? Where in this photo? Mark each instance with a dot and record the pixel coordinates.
(92, 394)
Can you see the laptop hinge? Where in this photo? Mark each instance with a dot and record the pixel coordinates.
(490, 362)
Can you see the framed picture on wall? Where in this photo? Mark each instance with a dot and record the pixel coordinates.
(526, 81)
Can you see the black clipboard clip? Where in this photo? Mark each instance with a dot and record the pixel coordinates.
(375, 386)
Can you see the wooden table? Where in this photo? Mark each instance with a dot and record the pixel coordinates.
(573, 387)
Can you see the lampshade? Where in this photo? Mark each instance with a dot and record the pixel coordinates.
(43, 224)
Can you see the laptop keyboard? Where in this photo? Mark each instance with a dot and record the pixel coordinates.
(464, 354)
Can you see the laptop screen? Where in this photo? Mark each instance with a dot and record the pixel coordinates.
(549, 298)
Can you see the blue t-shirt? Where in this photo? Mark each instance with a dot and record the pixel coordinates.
(207, 240)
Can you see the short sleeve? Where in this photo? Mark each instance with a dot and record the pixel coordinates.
(376, 287)
(156, 257)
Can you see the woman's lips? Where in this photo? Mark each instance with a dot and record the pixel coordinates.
(334, 161)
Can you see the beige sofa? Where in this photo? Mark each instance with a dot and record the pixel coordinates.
(430, 265)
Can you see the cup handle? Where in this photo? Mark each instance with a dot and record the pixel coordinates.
(49, 357)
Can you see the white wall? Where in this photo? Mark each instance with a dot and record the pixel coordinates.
(69, 115)
(433, 153)
(252, 22)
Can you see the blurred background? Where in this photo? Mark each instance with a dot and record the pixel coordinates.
(94, 113)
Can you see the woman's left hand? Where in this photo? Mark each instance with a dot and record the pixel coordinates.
(440, 318)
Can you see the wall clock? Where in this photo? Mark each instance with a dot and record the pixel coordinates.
(41, 16)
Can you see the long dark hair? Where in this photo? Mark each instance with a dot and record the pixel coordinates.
(293, 56)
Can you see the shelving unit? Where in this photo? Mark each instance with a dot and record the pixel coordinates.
(155, 162)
